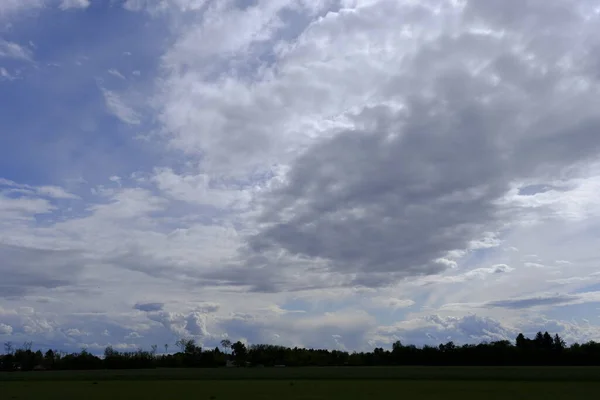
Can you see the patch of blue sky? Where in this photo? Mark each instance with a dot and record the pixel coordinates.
(53, 121)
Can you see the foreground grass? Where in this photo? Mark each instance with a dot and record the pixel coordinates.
(551, 374)
(315, 390)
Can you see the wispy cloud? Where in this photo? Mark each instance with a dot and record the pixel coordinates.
(68, 4)
(544, 300)
(117, 107)
(115, 72)
(55, 192)
(15, 51)
(4, 74)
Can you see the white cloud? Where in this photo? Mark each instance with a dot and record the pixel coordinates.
(5, 329)
(11, 7)
(155, 6)
(5, 75)
(133, 336)
(316, 161)
(115, 72)
(117, 107)
(15, 51)
(67, 4)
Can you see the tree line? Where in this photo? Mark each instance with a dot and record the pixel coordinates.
(543, 349)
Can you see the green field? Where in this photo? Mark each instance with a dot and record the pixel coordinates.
(307, 383)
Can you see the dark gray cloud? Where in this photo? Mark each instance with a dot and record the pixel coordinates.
(528, 302)
(149, 307)
(23, 269)
(418, 179)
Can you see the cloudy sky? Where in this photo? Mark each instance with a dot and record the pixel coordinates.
(326, 173)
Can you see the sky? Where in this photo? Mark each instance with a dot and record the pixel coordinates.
(338, 174)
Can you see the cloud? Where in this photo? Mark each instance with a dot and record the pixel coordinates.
(149, 307)
(420, 166)
(5, 329)
(5, 75)
(534, 265)
(340, 330)
(163, 5)
(27, 268)
(54, 192)
(12, 7)
(23, 208)
(435, 329)
(320, 159)
(119, 109)
(115, 72)
(207, 307)
(192, 324)
(133, 336)
(15, 51)
(545, 300)
(392, 302)
(67, 4)
(570, 280)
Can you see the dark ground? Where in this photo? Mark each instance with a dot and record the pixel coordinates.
(307, 383)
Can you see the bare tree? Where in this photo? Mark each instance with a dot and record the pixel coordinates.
(27, 346)
(226, 344)
(154, 347)
(181, 343)
(8, 347)
(166, 348)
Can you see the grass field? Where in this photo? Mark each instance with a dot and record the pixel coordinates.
(307, 383)
(267, 390)
(564, 374)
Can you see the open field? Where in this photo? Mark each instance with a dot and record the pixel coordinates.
(347, 383)
(563, 374)
(279, 389)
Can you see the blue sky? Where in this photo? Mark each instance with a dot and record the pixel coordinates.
(333, 173)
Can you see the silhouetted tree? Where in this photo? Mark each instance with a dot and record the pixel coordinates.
(544, 349)
(226, 344)
(240, 353)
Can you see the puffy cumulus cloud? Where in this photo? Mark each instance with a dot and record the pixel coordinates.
(571, 331)
(5, 329)
(192, 324)
(409, 138)
(133, 336)
(25, 322)
(320, 157)
(345, 329)
(435, 329)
